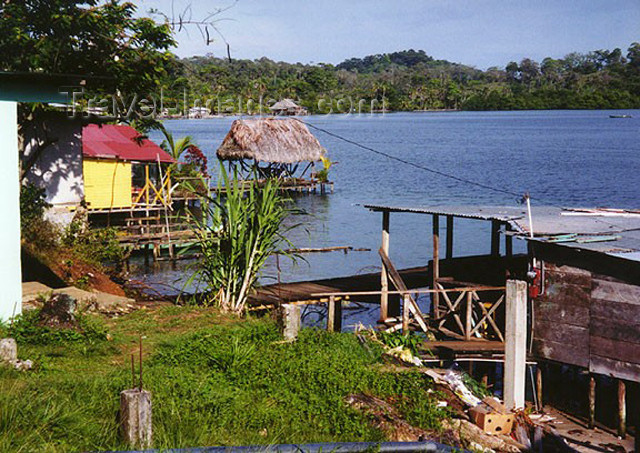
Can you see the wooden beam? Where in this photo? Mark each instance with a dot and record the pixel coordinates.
(508, 243)
(495, 238)
(515, 356)
(384, 278)
(622, 409)
(397, 281)
(449, 252)
(592, 402)
(436, 264)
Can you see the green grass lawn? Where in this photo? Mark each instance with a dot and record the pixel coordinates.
(214, 380)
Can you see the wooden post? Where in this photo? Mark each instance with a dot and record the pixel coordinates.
(334, 315)
(146, 184)
(508, 243)
(449, 252)
(622, 409)
(495, 238)
(289, 321)
(515, 357)
(436, 265)
(592, 402)
(405, 313)
(539, 385)
(146, 255)
(384, 278)
(467, 324)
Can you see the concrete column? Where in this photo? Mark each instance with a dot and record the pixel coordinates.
(8, 351)
(515, 357)
(289, 321)
(10, 267)
(135, 417)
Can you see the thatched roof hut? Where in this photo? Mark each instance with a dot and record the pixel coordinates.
(272, 140)
(287, 107)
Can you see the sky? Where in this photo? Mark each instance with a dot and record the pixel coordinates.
(480, 33)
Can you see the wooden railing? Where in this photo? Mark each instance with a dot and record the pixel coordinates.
(151, 194)
(411, 313)
(465, 304)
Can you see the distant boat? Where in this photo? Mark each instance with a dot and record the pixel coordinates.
(620, 116)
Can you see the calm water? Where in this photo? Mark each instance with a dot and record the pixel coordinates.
(570, 158)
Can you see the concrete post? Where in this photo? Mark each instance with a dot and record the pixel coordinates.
(8, 351)
(515, 357)
(135, 417)
(289, 320)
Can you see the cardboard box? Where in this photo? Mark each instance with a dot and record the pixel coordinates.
(492, 417)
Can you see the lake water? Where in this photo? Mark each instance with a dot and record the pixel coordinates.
(569, 158)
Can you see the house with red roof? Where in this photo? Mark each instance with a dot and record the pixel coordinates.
(122, 169)
(105, 167)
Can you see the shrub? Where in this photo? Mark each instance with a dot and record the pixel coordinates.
(96, 246)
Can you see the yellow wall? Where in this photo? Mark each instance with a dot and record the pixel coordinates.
(107, 183)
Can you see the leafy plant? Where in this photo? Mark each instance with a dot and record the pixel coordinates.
(242, 229)
(395, 339)
(323, 175)
(97, 246)
(27, 329)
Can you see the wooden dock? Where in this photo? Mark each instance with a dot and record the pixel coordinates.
(303, 292)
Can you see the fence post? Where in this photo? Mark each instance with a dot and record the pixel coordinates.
(515, 358)
(467, 323)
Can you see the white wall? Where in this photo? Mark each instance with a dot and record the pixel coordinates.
(10, 267)
(59, 167)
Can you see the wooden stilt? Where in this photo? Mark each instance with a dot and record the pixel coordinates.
(436, 265)
(384, 278)
(405, 314)
(622, 409)
(592, 402)
(334, 316)
(146, 255)
(539, 385)
(495, 238)
(449, 252)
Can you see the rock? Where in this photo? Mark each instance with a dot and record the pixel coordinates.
(8, 350)
(23, 365)
(58, 310)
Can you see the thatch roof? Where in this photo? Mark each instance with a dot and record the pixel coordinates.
(270, 140)
(285, 104)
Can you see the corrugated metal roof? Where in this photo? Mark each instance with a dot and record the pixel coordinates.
(120, 142)
(614, 232)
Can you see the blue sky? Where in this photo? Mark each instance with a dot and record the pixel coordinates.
(480, 33)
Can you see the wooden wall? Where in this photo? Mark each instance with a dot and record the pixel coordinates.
(588, 320)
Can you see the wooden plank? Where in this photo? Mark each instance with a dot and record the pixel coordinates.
(554, 311)
(569, 335)
(567, 275)
(615, 329)
(559, 352)
(397, 281)
(565, 293)
(615, 310)
(622, 410)
(515, 355)
(614, 291)
(592, 402)
(612, 349)
(465, 346)
(614, 368)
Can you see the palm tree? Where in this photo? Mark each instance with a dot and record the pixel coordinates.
(175, 147)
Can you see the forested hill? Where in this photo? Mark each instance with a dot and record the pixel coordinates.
(413, 80)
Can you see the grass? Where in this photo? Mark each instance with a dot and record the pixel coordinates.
(215, 380)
